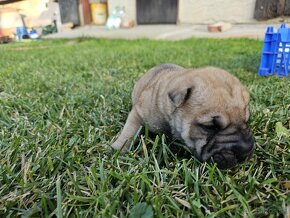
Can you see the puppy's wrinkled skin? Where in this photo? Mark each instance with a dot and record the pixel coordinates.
(207, 108)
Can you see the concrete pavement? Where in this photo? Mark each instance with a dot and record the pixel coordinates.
(167, 32)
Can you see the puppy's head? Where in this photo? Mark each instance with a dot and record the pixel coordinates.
(211, 114)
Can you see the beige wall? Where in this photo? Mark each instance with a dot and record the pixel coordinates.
(32, 9)
(201, 11)
(209, 11)
(130, 7)
(9, 18)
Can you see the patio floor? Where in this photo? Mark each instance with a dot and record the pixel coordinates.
(167, 32)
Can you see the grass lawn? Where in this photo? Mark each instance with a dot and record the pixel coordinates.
(63, 102)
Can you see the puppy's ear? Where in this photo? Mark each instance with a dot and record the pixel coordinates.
(179, 96)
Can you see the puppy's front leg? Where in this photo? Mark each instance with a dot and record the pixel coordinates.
(132, 125)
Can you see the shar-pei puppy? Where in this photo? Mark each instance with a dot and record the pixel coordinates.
(206, 108)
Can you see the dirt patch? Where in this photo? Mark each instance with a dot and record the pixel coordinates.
(27, 48)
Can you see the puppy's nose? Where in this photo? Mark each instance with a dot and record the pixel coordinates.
(244, 148)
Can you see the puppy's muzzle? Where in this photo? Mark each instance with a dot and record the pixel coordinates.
(235, 152)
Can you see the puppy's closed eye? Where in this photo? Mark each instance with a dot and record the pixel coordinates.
(209, 127)
(213, 125)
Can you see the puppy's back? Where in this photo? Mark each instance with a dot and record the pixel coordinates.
(151, 77)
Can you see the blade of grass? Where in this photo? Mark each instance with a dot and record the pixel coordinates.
(59, 197)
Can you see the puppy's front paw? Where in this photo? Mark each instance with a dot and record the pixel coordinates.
(123, 147)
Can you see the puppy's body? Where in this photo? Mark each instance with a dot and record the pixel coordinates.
(150, 97)
(207, 108)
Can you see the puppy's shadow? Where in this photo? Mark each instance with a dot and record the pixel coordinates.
(177, 149)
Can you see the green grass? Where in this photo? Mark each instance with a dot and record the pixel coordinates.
(63, 102)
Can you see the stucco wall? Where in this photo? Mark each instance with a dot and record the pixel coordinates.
(32, 9)
(130, 7)
(208, 11)
(201, 11)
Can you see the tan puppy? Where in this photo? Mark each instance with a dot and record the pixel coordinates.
(207, 108)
